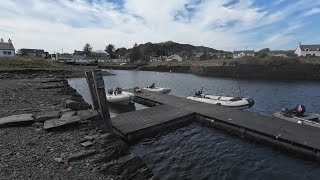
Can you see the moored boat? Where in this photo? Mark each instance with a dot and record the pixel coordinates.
(232, 102)
(157, 89)
(120, 97)
(298, 115)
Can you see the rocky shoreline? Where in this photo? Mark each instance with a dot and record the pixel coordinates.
(74, 150)
(293, 71)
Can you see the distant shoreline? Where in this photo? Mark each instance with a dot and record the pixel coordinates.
(269, 70)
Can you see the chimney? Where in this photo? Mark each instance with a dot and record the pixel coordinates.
(1, 40)
(9, 41)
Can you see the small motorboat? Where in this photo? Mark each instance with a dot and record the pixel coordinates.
(120, 97)
(297, 115)
(157, 89)
(232, 102)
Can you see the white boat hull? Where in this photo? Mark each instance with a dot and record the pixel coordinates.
(158, 89)
(125, 98)
(240, 103)
(307, 119)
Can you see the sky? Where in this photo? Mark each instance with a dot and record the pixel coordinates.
(66, 25)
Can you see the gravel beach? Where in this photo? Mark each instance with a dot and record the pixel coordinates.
(77, 151)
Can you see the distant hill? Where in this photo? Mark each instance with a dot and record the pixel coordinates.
(170, 47)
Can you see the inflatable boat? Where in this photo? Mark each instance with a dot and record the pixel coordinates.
(120, 97)
(297, 115)
(233, 102)
(157, 89)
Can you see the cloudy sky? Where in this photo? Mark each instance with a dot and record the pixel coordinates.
(221, 24)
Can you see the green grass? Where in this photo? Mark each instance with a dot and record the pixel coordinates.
(28, 62)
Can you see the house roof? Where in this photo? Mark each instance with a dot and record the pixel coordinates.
(6, 46)
(310, 47)
(245, 51)
(36, 51)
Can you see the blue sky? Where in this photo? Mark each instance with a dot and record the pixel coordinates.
(222, 24)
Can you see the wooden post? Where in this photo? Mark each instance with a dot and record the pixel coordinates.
(102, 101)
(92, 90)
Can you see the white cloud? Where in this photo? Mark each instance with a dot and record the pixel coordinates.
(54, 25)
(313, 11)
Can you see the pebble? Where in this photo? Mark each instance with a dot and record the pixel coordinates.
(58, 160)
(69, 168)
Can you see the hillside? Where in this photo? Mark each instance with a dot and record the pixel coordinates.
(169, 48)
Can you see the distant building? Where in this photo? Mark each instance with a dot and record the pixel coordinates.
(6, 49)
(54, 57)
(79, 58)
(199, 57)
(174, 58)
(155, 58)
(34, 52)
(245, 53)
(307, 50)
(120, 59)
(65, 57)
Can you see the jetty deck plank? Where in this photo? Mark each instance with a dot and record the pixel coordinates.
(301, 134)
(131, 122)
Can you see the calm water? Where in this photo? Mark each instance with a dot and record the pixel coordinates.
(196, 152)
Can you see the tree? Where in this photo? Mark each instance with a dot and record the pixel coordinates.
(87, 49)
(135, 54)
(110, 49)
(267, 50)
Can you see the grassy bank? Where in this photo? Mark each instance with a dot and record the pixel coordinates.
(243, 61)
(28, 62)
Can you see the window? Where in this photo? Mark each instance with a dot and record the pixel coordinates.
(4, 52)
(9, 53)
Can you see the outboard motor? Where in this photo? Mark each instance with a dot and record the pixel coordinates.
(251, 102)
(110, 91)
(118, 90)
(198, 94)
(299, 110)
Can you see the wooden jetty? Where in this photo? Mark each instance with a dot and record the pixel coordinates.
(171, 111)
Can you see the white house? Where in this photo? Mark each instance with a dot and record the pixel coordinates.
(174, 58)
(119, 60)
(6, 49)
(307, 50)
(245, 53)
(79, 58)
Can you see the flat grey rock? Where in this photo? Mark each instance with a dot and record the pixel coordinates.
(15, 120)
(68, 114)
(55, 123)
(87, 114)
(42, 117)
(87, 144)
(89, 137)
(65, 110)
